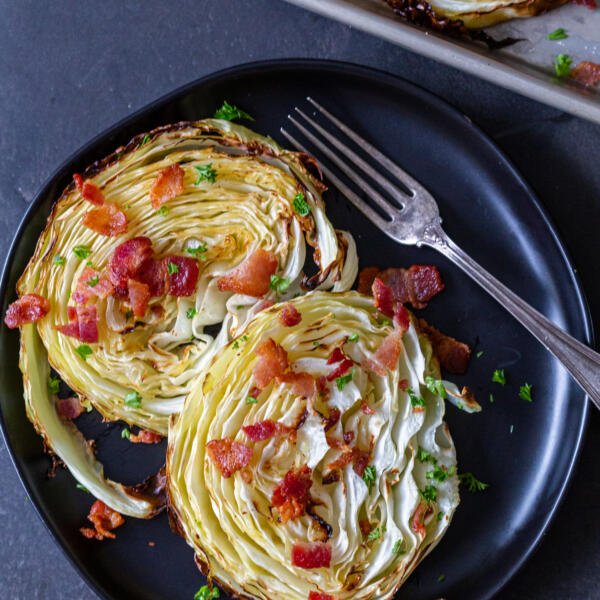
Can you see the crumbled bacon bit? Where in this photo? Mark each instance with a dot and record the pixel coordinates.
(416, 285)
(454, 356)
(27, 309)
(143, 436)
(273, 363)
(84, 327)
(366, 409)
(336, 356)
(403, 384)
(292, 495)
(252, 277)
(342, 368)
(365, 527)
(303, 384)
(104, 520)
(107, 220)
(358, 458)
(127, 260)
(168, 185)
(332, 419)
(182, 281)
(366, 278)
(401, 318)
(229, 456)
(69, 408)
(319, 596)
(89, 190)
(384, 299)
(153, 273)
(386, 356)
(139, 297)
(311, 555)
(420, 516)
(348, 437)
(290, 315)
(587, 73)
(102, 288)
(264, 430)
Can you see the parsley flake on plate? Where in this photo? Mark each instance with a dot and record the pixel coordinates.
(133, 399)
(436, 386)
(498, 376)
(473, 484)
(163, 211)
(414, 399)
(81, 251)
(172, 268)
(205, 173)
(429, 493)
(59, 260)
(93, 281)
(251, 400)
(190, 313)
(342, 381)
(558, 34)
(53, 384)
(84, 351)
(374, 535)
(370, 476)
(562, 65)
(301, 206)
(279, 284)
(525, 392)
(230, 112)
(126, 434)
(207, 593)
(198, 251)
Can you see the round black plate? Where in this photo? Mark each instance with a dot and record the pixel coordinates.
(524, 451)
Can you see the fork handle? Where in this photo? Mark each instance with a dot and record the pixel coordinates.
(580, 360)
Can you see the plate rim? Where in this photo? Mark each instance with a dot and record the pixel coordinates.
(358, 70)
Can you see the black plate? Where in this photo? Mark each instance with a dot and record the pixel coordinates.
(524, 451)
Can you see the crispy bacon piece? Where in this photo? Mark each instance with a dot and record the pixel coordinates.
(264, 430)
(386, 356)
(454, 356)
(319, 596)
(403, 384)
(107, 220)
(228, 456)
(366, 409)
(359, 459)
(419, 517)
(183, 276)
(292, 495)
(336, 356)
(311, 555)
(587, 73)
(303, 384)
(144, 436)
(168, 185)
(154, 274)
(272, 363)
(416, 285)
(87, 287)
(139, 297)
(366, 277)
(89, 190)
(290, 315)
(332, 419)
(69, 408)
(27, 309)
(384, 298)
(127, 260)
(252, 277)
(85, 325)
(104, 520)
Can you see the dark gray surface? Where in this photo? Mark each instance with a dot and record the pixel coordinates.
(69, 71)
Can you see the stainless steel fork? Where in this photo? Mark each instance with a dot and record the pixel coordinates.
(416, 221)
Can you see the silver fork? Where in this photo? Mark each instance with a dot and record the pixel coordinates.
(416, 221)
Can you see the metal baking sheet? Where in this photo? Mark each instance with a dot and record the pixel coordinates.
(525, 67)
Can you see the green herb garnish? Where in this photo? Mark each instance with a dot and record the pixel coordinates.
(301, 206)
(279, 284)
(436, 386)
(251, 400)
(163, 211)
(424, 456)
(440, 516)
(145, 140)
(525, 392)
(479, 354)
(499, 377)
(125, 434)
(190, 313)
(82, 487)
(370, 476)
(198, 251)
(341, 382)
(133, 399)
(53, 384)
(558, 34)
(93, 281)
(441, 578)
(229, 112)
(374, 535)
(562, 65)
(399, 547)
(440, 473)
(353, 337)
(84, 351)
(207, 593)
(59, 260)
(429, 493)
(205, 173)
(473, 484)
(81, 252)
(414, 399)
(172, 268)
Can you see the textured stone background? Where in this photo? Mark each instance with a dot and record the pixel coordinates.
(69, 69)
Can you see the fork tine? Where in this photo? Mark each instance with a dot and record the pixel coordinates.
(359, 181)
(411, 183)
(357, 160)
(342, 187)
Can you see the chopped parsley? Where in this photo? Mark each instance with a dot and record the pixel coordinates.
(207, 593)
(316, 344)
(473, 484)
(190, 313)
(93, 281)
(398, 547)
(145, 140)
(479, 354)
(84, 351)
(436, 386)
(557, 34)
(499, 377)
(197, 251)
(441, 578)
(440, 473)
(301, 206)
(491, 397)
(163, 211)
(424, 456)
(562, 65)
(82, 487)
(53, 384)
(429, 493)
(251, 400)
(374, 535)
(525, 392)
(172, 268)
(370, 476)
(341, 382)
(383, 321)
(414, 399)
(279, 284)
(440, 516)
(59, 260)
(125, 434)
(133, 399)
(81, 251)
(205, 173)
(353, 337)
(229, 112)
